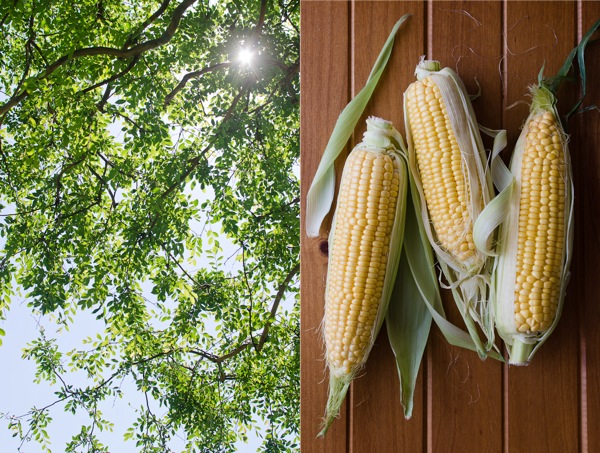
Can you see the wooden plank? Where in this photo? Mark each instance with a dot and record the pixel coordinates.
(586, 266)
(466, 393)
(377, 420)
(541, 399)
(324, 93)
(462, 404)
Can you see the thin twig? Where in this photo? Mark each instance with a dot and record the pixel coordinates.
(278, 298)
(193, 75)
(114, 77)
(249, 288)
(265, 333)
(161, 9)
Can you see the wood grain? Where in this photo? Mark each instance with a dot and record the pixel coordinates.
(466, 393)
(376, 393)
(462, 404)
(325, 92)
(586, 267)
(542, 398)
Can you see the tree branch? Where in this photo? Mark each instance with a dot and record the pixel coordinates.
(278, 298)
(105, 97)
(249, 288)
(265, 333)
(105, 184)
(162, 8)
(193, 75)
(107, 51)
(36, 47)
(16, 99)
(186, 273)
(138, 126)
(27, 65)
(287, 16)
(261, 20)
(114, 77)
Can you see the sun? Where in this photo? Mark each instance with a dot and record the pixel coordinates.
(245, 56)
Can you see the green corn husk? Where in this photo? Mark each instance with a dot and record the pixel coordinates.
(416, 301)
(321, 193)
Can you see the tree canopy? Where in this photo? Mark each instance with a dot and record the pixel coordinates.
(147, 177)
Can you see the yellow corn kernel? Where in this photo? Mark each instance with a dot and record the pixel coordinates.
(358, 256)
(535, 240)
(541, 225)
(446, 185)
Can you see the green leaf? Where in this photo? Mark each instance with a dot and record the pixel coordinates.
(408, 323)
(321, 191)
(419, 256)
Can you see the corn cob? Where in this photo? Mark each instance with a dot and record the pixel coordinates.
(440, 163)
(366, 209)
(448, 163)
(536, 237)
(364, 252)
(535, 242)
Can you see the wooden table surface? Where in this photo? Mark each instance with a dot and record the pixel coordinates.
(462, 404)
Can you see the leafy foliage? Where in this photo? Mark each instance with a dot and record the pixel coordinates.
(147, 178)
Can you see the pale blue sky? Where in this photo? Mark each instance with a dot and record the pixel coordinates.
(21, 393)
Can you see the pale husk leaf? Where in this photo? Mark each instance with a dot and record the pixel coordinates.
(321, 192)
(522, 347)
(469, 282)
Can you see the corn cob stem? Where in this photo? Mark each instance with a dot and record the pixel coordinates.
(520, 353)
